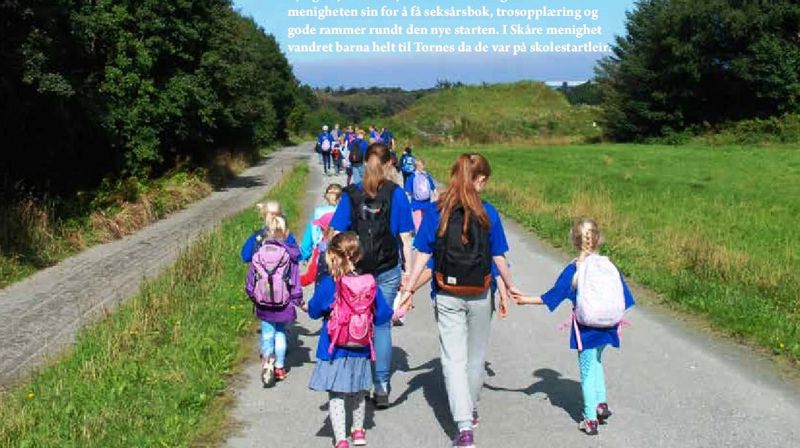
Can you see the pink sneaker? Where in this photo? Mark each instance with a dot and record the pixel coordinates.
(359, 437)
(603, 413)
(589, 427)
(342, 444)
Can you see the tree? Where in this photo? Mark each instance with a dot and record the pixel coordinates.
(685, 64)
(107, 88)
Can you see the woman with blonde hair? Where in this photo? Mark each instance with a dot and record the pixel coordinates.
(378, 211)
(463, 235)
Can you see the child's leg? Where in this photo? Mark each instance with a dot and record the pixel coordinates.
(600, 378)
(358, 404)
(336, 412)
(280, 345)
(267, 340)
(587, 360)
(479, 322)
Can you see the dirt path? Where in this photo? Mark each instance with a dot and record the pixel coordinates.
(669, 385)
(41, 316)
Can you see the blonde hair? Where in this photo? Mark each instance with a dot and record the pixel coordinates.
(269, 209)
(419, 165)
(343, 253)
(585, 236)
(276, 228)
(333, 193)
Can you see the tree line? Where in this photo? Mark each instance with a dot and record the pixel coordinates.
(691, 66)
(119, 88)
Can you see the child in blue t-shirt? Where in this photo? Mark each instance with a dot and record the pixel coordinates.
(589, 341)
(421, 193)
(344, 372)
(268, 210)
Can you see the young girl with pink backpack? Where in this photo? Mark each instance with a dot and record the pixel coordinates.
(599, 297)
(273, 285)
(351, 305)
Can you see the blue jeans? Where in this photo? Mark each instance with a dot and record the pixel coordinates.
(389, 284)
(358, 176)
(273, 341)
(593, 381)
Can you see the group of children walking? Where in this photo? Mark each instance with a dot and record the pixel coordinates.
(359, 247)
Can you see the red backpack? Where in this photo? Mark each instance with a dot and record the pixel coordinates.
(351, 321)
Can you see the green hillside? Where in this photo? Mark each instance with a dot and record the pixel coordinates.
(498, 113)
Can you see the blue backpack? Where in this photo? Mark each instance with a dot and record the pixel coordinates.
(409, 163)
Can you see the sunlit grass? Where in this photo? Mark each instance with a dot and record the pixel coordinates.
(148, 374)
(711, 229)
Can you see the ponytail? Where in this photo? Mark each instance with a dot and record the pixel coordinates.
(376, 158)
(461, 192)
(586, 237)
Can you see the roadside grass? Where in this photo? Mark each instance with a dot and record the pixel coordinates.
(712, 229)
(155, 371)
(37, 232)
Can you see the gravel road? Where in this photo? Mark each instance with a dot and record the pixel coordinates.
(670, 386)
(41, 315)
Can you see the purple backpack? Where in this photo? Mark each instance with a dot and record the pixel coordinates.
(269, 280)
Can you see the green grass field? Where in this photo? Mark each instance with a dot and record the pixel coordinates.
(153, 372)
(521, 112)
(711, 229)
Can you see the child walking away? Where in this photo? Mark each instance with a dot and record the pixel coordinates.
(408, 164)
(351, 305)
(421, 191)
(268, 210)
(599, 298)
(273, 284)
(463, 235)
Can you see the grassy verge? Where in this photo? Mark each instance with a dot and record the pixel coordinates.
(36, 233)
(150, 373)
(710, 228)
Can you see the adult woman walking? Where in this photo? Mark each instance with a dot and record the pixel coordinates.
(463, 235)
(378, 211)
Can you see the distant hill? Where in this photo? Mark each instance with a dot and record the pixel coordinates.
(359, 105)
(496, 113)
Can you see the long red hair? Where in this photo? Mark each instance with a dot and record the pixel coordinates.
(461, 192)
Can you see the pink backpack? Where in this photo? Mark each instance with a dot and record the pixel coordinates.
(351, 320)
(269, 279)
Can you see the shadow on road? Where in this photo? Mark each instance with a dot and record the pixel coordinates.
(431, 382)
(561, 392)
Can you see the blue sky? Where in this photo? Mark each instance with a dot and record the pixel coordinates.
(419, 70)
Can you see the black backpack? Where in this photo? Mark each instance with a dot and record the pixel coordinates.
(356, 152)
(371, 221)
(463, 269)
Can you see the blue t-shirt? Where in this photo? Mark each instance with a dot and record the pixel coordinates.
(357, 144)
(387, 136)
(324, 135)
(251, 245)
(425, 240)
(590, 337)
(409, 188)
(320, 306)
(400, 219)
